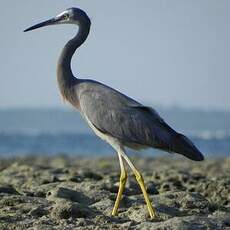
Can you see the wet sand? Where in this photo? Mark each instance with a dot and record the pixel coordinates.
(78, 193)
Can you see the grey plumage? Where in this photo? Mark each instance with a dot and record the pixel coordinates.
(109, 111)
(133, 124)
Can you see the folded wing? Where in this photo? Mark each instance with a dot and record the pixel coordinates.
(132, 123)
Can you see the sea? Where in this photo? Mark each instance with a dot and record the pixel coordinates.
(56, 131)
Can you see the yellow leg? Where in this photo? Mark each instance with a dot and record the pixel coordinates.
(123, 179)
(140, 180)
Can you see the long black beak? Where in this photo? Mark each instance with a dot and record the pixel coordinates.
(45, 23)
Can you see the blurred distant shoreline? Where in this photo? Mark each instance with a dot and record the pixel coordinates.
(54, 131)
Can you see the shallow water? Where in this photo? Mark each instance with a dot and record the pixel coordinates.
(51, 131)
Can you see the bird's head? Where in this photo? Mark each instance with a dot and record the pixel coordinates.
(69, 16)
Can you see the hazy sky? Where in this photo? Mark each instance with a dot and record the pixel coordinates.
(160, 52)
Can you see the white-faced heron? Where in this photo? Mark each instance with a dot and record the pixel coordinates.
(114, 117)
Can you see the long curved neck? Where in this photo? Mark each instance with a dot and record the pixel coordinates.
(64, 73)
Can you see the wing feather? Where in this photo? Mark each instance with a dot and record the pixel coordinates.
(123, 118)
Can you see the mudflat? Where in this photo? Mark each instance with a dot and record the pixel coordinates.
(64, 192)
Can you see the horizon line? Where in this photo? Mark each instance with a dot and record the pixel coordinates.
(157, 106)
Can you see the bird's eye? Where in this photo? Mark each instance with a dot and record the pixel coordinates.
(66, 16)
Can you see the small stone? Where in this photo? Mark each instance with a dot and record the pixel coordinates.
(87, 174)
(65, 210)
(76, 179)
(165, 187)
(8, 189)
(38, 212)
(105, 206)
(151, 188)
(68, 194)
(194, 201)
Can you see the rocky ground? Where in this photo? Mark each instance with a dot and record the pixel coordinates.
(76, 193)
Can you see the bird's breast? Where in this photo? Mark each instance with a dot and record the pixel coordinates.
(69, 95)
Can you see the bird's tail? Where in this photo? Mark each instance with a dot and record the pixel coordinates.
(182, 145)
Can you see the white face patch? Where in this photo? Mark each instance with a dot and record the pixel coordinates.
(61, 14)
(66, 17)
